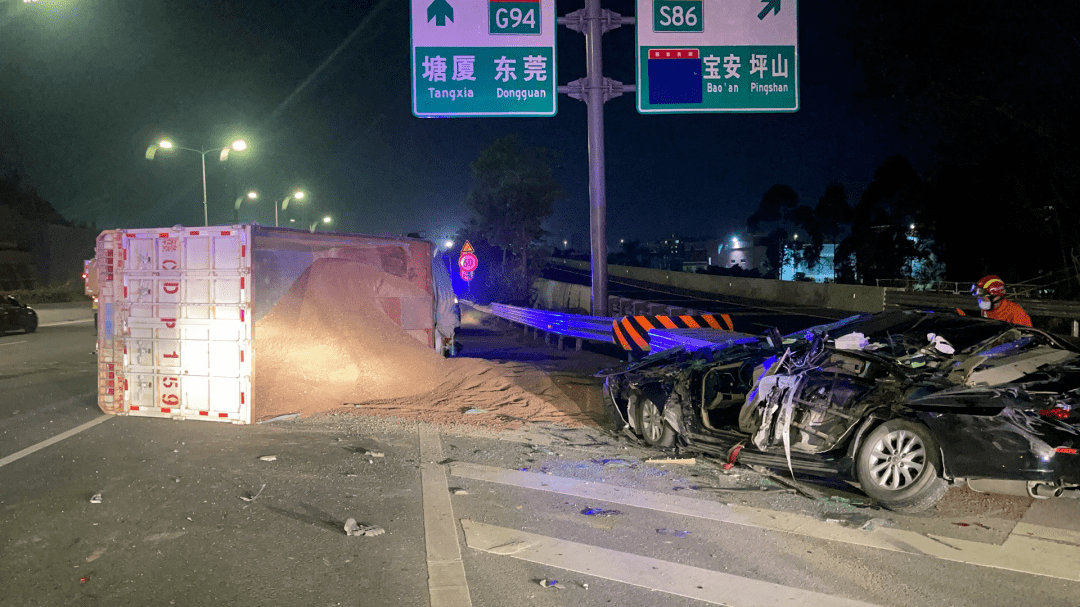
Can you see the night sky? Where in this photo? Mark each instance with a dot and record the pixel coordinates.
(321, 91)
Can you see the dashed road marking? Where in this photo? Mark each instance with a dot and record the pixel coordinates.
(1028, 548)
(663, 576)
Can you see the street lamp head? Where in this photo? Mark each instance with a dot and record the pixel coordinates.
(326, 219)
(449, 243)
(165, 144)
(252, 195)
(299, 195)
(239, 145)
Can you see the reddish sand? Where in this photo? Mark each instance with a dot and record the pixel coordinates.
(329, 345)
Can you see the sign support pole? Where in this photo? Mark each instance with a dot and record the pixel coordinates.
(595, 90)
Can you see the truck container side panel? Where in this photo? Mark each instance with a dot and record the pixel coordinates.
(107, 254)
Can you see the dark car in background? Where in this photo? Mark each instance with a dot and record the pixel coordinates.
(15, 316)
(903, 403)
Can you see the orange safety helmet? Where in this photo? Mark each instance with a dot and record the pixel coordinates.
(991, 284)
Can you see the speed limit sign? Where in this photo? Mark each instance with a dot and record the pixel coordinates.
(468, 262)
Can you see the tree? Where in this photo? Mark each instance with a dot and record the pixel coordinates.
(981, 79)
(513, 192)
(779, 216)
(882, 244)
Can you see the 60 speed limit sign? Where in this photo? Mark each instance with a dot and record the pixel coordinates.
(468, 262)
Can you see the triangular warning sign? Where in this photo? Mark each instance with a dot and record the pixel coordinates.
(467, 248)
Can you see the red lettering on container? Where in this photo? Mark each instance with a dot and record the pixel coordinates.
(169, 382)
(173, 355)
(204, 413)
(1065, 450)
(169, 264)
(166, 410)
(243, 250)
(241, 282)
(169, 322)
(241, 315)
(171, 287)
(194, 232)
(226, 233)
(162, 235)
(223, 415)
(241, 356)
(170, 399)
(241, 398)
(134, 407)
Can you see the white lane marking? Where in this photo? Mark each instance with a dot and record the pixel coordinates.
(654, 574)
(12, 343)
(1027, 549)
(52, 441)
(67, 322)
(446, 571)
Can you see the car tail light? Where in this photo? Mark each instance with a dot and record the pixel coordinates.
(1055, 413)
(1065, 450)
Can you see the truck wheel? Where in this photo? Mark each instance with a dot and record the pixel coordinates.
(899, 465)
(651, 424)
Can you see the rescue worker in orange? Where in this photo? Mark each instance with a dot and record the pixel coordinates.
(990, 291)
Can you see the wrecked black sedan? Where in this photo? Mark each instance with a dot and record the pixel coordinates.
(903, 403)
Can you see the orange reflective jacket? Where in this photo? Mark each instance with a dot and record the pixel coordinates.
(1009, 311)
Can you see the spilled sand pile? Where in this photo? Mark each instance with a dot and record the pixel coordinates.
(330, 345)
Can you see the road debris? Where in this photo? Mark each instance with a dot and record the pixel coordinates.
(552, 584)
(352, 528)
(96, 499)
(84, 580)
(268, 458)
(615, 463)
(511, 548)
(251, 498)
(279, 418)
(686, 461)
(971, 525)
(600, 512)
(474, 411)
(673, 532)
(458, 491)
(374, 454)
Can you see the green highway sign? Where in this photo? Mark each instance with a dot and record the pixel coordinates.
(483, 58)
(513, 17)
(677, 16)
(717, 56)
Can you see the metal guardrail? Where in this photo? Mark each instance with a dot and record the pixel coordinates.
(593, 328)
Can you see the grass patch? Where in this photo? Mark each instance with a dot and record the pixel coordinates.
(64, 293)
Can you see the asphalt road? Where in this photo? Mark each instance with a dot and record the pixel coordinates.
(191, 515)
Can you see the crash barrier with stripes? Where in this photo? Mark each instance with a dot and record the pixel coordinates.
(632, 332)
(576, 326)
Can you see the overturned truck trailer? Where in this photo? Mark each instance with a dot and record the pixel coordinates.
(228, 323)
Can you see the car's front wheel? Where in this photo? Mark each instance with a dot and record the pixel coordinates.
(899, 465)
(30, 324)
(650, 422)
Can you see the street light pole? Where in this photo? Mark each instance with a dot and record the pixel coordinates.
(239, 145)
(205, 213)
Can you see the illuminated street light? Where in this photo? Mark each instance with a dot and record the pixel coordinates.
(251, 195)
(326, 220)
(239, 145)
(448, 243)
(297, 195)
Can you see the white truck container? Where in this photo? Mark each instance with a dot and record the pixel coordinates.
(178, 309)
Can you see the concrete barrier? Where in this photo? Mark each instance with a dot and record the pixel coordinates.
(851, 298)
(63, 312)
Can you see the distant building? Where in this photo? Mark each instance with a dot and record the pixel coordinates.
(823, 271)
